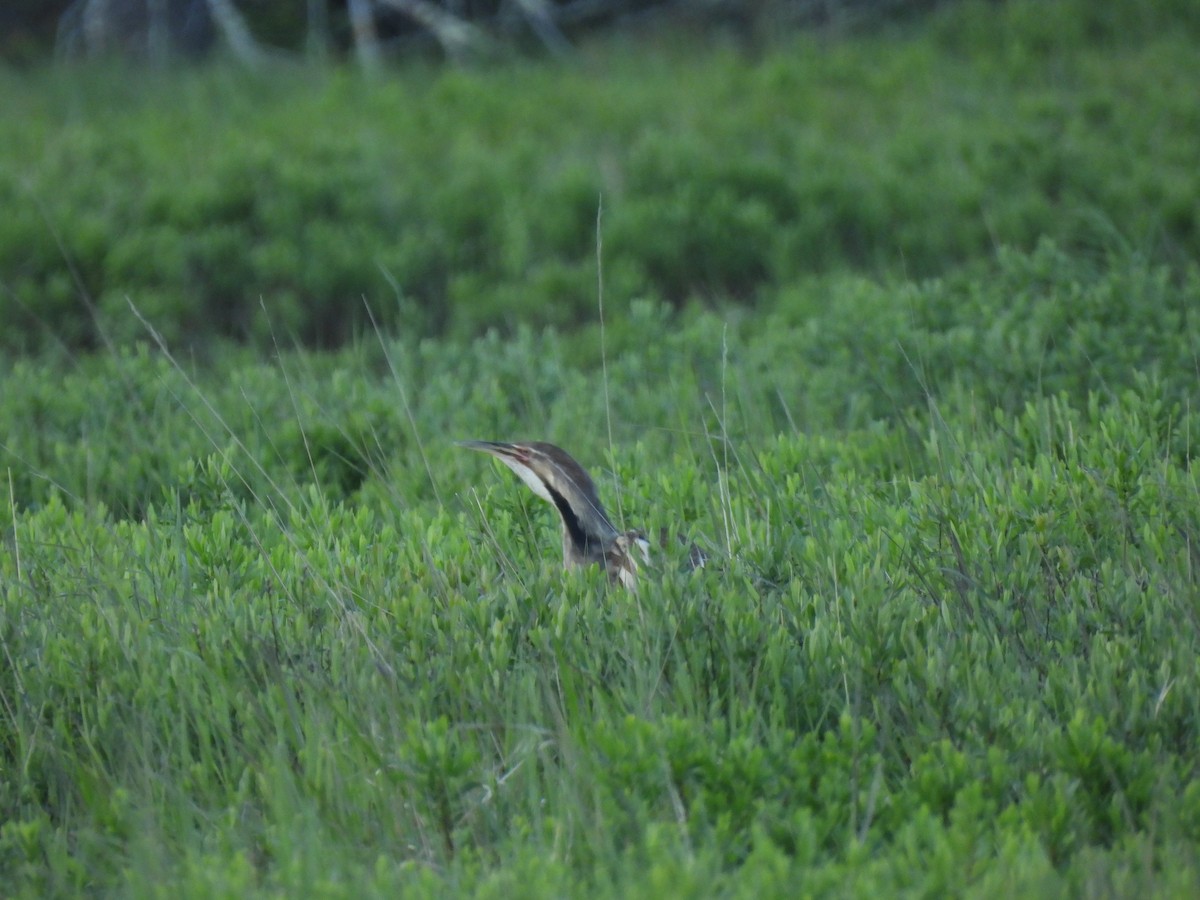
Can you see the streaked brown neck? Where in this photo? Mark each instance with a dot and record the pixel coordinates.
(589, 537)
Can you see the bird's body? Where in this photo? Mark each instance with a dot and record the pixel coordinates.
(589, 536)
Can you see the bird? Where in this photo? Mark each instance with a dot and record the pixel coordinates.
(588, 534)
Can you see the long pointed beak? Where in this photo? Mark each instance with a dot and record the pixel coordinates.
(512, 455)
(495, 448)
(516, 458)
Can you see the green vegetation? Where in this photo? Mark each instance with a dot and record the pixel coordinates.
(923, 381)
(453, 201)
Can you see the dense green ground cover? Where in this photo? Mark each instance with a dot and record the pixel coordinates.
(265, 631)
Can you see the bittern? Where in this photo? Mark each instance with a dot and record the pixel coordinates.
(589, 536)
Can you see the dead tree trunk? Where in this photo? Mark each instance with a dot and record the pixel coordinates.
(96, 30)
(317, 37)
(158, 38)
(366, 38)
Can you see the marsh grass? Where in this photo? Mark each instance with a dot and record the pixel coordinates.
(266, 632)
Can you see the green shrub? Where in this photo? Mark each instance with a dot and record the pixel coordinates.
(263, 623)
(456, 201)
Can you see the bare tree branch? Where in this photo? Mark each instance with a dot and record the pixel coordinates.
(458, 37)
(237, 34)
(540, 16)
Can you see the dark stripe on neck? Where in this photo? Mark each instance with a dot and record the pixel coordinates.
(570, 520)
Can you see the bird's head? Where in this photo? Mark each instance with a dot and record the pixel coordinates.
(555, 476)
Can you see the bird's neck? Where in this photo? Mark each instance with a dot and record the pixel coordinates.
(587, 532)
(581, 548)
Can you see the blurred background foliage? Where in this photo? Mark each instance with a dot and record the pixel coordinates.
(733, 162)
(307, 203)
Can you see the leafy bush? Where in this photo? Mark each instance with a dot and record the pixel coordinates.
(223, 204)
(938, 691)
